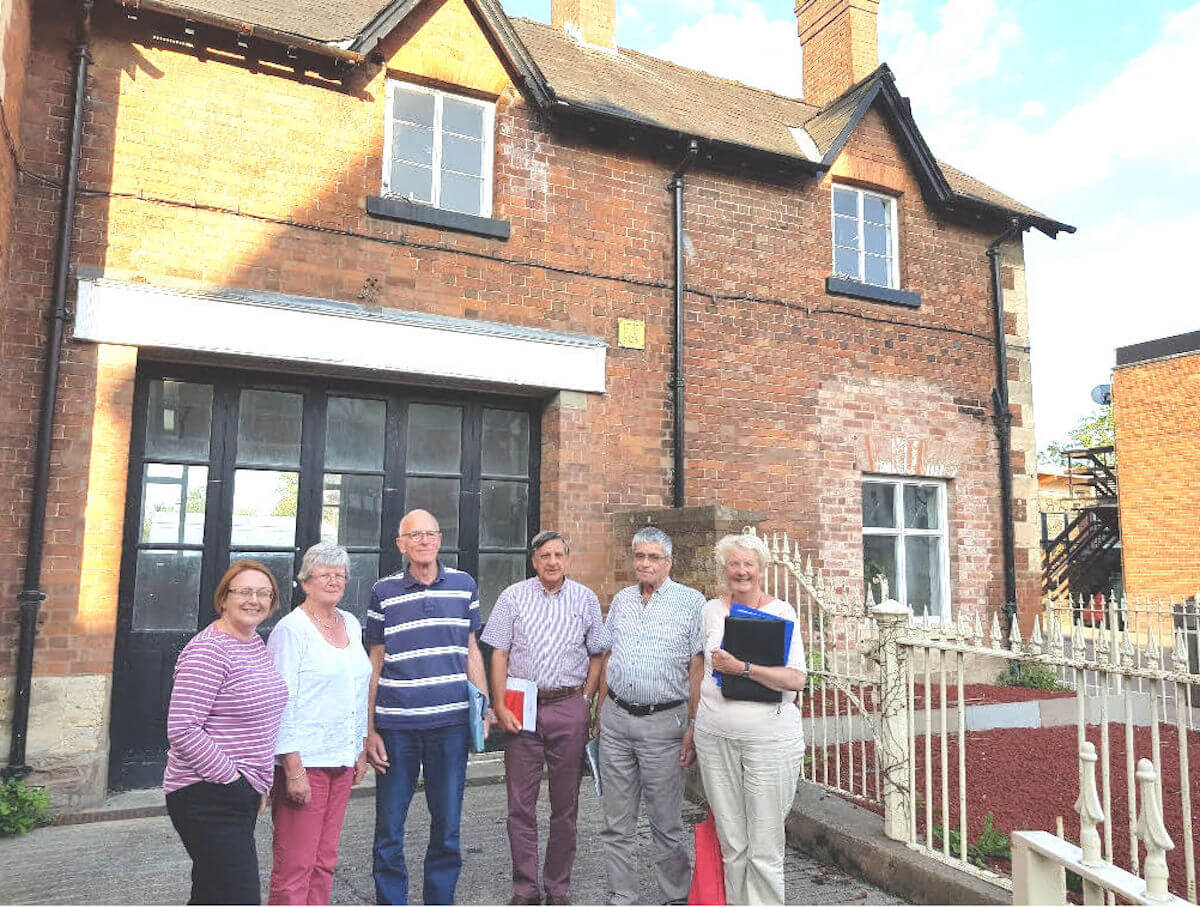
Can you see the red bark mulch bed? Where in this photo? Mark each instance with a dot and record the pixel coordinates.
(973, 694)
(1028, 777)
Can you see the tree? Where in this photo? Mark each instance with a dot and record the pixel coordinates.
(1095, 429)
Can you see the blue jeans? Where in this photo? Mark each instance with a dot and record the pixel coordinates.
(442, 753)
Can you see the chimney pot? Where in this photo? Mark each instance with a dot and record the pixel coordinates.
(596, 20)
(840, 44)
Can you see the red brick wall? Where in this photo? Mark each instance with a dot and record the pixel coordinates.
(1156, 408)
(14, 53)
(779, 392)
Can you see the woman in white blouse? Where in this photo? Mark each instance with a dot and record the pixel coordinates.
(319, 755)
(750, 753)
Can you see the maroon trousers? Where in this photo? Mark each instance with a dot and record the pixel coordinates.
(562, 729)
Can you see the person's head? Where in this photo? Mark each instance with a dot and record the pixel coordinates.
(419, 538)
(246, 594)
(651, 556)
(742, 564)
(323, 574)
(549, 553)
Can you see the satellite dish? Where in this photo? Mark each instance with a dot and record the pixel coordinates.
(1102, 394)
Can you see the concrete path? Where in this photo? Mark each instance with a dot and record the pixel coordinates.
(140, 861)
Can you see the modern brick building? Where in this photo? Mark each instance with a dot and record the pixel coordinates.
(1156, 411)
(331, 261)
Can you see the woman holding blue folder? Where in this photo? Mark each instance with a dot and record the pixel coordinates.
(750, 751)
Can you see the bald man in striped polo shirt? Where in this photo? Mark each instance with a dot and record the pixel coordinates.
(420, 633)
(548, 630)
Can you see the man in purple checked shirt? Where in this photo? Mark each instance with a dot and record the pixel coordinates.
(549, 630)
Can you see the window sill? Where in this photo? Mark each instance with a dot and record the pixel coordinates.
(843, 286)
(402, 209)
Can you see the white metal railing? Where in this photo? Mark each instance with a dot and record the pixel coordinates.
(885, 704)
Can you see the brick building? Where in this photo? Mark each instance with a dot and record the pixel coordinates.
(332, 261)
(1156, 410)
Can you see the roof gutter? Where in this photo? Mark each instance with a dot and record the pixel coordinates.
(249, 29)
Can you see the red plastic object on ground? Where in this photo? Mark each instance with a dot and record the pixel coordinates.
(708, 878)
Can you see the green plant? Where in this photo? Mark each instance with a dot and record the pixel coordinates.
(814, 662)
(1034, 677)
(21, 808)
(991, 843)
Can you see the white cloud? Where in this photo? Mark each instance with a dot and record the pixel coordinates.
(742, 44)
(1114, 284)
(1032, 110)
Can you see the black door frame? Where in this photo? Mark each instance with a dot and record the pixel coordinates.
(227, 384)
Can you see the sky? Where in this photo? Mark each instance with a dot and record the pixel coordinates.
(1080, 108)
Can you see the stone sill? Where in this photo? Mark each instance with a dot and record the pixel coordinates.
(843, 286)
(401, 209)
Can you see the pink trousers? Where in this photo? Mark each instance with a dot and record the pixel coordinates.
(306, 837)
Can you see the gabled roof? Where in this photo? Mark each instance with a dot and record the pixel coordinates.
(560, 74)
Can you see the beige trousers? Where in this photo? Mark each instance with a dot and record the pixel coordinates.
(750, 785)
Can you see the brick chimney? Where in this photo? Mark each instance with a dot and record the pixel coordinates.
(595, 20)
(840, 45)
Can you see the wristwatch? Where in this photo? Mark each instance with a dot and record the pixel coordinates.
(746, 670)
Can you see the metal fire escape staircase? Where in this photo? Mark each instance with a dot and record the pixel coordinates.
(1085, 555)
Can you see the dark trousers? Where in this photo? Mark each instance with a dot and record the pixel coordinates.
(216, 824)
(562, 729)
(440, 755)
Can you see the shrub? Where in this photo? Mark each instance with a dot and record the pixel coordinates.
(1034, 677)
(991, 843)
(21, 808)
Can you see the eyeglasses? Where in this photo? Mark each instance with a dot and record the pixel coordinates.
(246, 593)
(426, 535)
(652, 558)
(327, 578)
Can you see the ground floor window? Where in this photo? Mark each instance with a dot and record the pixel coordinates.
(905, 541)
(227, 465)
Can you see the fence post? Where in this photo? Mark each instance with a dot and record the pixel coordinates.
(1036, 879)
(892, 618)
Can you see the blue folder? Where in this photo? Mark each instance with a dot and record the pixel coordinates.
(736, 610)
(477, 709)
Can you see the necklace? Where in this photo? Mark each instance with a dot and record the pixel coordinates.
(325, 626)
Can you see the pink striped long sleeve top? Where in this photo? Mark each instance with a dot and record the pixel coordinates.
(225, 711)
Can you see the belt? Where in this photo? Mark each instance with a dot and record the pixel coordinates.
(557, 693)
(641, 711)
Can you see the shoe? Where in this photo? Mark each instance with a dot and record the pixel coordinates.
(557, 899)
(525, 899)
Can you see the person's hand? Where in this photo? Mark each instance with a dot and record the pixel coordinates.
(687, 749)
(508, 721)
(262, 803)
(596, 724)
(725, 663)
(489, 718)
(360, 767)
(299, 792)
(377, 753)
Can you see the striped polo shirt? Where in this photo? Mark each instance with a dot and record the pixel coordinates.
(548, 635)
(424, 630)
(225, 710)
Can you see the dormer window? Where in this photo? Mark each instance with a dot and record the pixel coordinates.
(864, 237)
(439, 149)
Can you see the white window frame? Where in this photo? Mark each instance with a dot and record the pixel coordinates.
(489, 129)
(893, 234)
(901, 532)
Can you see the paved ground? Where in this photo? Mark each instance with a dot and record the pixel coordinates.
(140, 861)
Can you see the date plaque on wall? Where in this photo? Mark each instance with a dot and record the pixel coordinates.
(631, 333)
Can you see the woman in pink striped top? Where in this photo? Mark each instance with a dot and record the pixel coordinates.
(224, 716)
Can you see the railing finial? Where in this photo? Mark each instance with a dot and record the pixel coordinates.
(1087, 804)
(1153, 833)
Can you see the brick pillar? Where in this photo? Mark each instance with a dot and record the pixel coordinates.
(693, 531)
(597, 19)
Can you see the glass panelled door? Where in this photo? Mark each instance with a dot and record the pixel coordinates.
(229, 465)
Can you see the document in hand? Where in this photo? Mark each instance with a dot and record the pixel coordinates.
(477, 708)
(591, 752)
(736, 610)
(760, 642)
(520, 697)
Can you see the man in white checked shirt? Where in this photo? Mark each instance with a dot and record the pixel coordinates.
(652, 677)
(547, 629)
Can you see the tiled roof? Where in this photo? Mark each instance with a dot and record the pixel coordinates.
(620, 83)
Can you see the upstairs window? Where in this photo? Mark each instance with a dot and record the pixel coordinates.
(864, 237)
(439, 149)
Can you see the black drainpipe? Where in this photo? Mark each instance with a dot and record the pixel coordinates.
(1003, 419)
(677, 379)
(32, 596)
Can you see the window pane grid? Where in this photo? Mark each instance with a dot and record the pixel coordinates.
(863, 243)
(920, 556)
